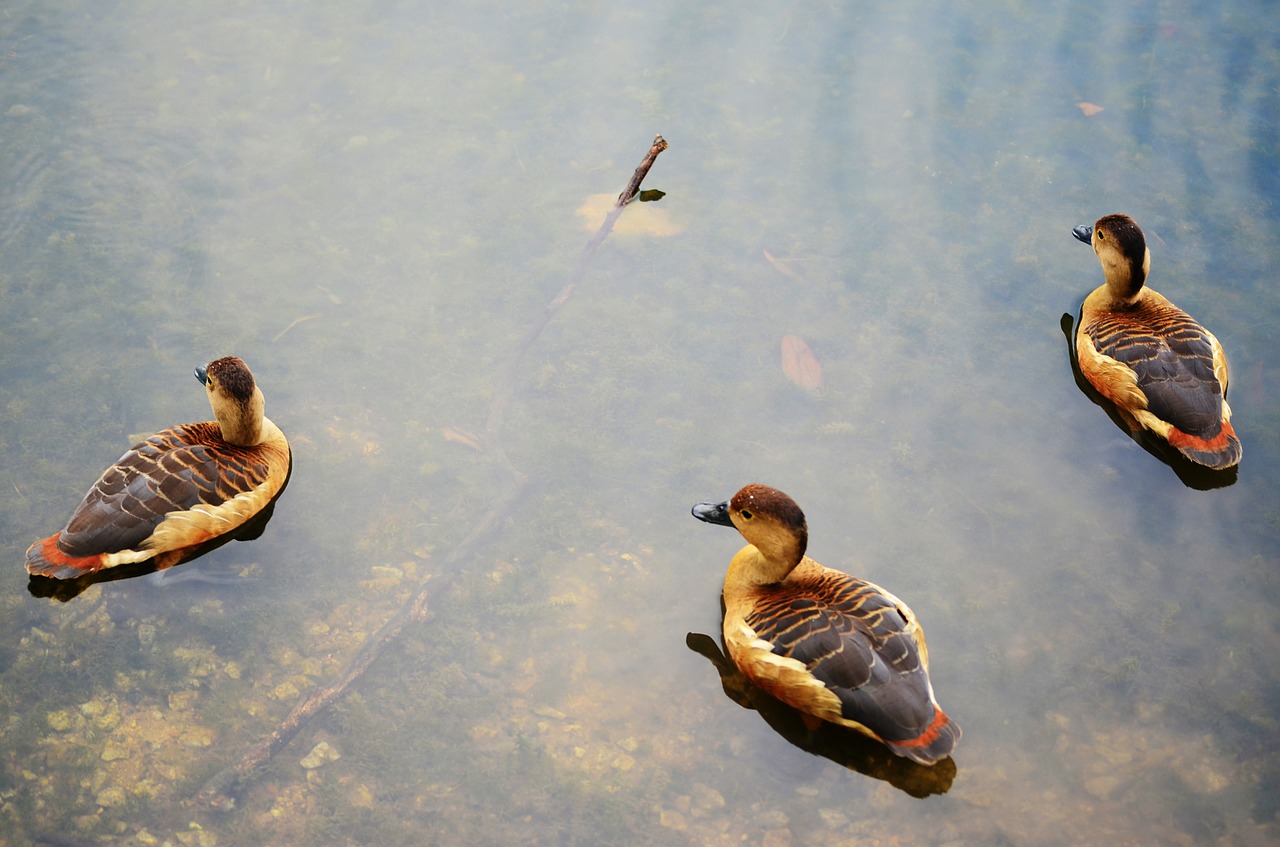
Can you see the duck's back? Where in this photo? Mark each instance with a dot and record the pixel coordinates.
(862, 658)
(1176, 364)
(187, 470)
(1172, 356)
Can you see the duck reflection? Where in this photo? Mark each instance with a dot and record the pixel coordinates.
(1191, 475)
(843, 746)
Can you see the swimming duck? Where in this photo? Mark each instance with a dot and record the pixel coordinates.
(178, 490)
(1161, 369)
(832, 646)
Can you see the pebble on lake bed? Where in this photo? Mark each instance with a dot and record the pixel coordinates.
(320, 754)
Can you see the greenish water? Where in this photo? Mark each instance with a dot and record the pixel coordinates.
(373, 202)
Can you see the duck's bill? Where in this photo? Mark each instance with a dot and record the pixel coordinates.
(717, 513)
(1083, 233)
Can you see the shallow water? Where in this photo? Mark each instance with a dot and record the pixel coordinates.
(372, 203)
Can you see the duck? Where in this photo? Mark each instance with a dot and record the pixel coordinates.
(1160, 368)
(834, 647)
(178, 492)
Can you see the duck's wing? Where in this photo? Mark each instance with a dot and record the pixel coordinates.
(172, 471)
(864, 646)
(1173, 358)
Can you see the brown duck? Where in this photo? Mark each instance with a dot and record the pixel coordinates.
(180, 489)
(1162, 370)
(835, 647)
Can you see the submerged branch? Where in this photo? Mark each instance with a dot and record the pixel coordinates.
(507, 382)
(220, 791)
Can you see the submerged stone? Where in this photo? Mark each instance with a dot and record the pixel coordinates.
(320, 754)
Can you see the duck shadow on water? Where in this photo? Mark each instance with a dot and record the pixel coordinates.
(64, 590)
(845, 747)
(1191, 475)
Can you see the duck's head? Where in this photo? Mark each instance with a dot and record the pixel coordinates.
(237, 402)
(1122, 250)
(769, 520)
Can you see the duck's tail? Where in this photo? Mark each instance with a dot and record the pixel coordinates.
(1218, 452)
(932, 745)
(45, 558)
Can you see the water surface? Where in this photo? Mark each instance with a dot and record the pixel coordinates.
(372, 203)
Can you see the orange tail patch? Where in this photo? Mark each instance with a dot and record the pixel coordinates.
(44, 558)
(933, 744)
(1221, 451)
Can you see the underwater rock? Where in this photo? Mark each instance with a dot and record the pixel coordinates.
(671, 819)
(362, 797)
(197, 836)
(113, 751)
(108, 797)
(706, 798)
(320, 754)
(59, 721)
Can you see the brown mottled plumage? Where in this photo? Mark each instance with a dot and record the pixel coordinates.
(1161, 369)
(833, 646)
(179, 489)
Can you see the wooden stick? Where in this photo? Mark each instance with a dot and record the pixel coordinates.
(507, 382)
(642, 170)
(220, 792)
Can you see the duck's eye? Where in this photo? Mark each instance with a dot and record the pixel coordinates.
(745, 513)
(1102, 236)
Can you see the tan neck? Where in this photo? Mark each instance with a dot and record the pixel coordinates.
(243, 425)
(750, 567)
(1125, 279)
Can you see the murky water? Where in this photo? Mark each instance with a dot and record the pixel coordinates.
(372, 203)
